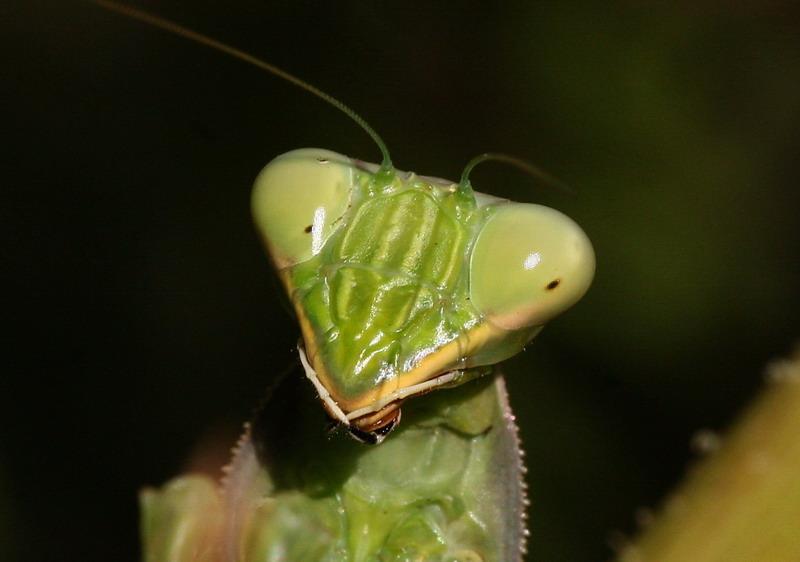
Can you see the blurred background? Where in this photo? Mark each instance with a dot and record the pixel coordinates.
(144, 319)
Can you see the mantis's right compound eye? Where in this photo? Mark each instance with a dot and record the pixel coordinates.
(297, 200)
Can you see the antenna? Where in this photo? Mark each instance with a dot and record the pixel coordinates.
(175, 29)
(519, 163)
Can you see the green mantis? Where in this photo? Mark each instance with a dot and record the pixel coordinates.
(446, 486)
(402, 285)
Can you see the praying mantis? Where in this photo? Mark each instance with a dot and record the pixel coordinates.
(403, 286)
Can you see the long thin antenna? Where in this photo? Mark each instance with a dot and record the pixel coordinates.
(175, 29)
(523, 165)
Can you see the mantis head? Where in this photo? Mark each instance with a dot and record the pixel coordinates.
(404, 285)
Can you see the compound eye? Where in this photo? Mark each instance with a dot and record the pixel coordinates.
(529, 264)
(297, 199)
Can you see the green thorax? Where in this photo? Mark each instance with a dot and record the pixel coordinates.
(391, 286)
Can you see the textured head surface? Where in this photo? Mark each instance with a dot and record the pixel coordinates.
(396, 280)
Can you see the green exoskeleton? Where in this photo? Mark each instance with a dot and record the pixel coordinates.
(404, 283)
(401, 284)
(445, 487)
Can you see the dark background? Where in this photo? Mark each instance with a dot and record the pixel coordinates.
(142, 315)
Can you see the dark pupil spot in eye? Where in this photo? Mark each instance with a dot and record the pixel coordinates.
(553, 284)
(308, 228)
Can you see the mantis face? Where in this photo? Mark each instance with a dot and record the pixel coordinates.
(403, 283)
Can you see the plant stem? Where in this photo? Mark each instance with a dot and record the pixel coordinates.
(742, 503)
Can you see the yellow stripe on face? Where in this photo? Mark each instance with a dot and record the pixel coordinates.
(448, 357)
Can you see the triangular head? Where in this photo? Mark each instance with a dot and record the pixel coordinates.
(404, 283)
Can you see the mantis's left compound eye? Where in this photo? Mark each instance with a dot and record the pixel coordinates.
(298, 199)
(529, 264)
